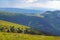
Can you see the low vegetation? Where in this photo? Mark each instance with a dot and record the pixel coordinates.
(20, 36)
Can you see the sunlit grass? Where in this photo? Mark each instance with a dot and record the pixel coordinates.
(16, 36)
(9, 24)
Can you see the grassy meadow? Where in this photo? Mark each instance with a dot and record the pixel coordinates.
(22, 36)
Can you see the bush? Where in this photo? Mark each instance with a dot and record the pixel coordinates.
(19, 30)
(12, 29)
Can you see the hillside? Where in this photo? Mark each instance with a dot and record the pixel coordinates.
(38, 23)
(6, 26)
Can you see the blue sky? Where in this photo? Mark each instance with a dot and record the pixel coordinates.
(49, 4)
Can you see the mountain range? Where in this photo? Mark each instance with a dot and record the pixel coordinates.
(48, 21)
(20, 10)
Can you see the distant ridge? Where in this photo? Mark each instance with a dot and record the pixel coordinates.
(20, 10)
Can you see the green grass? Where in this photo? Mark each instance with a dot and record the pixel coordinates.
(21, 36)
(8, 24)
(16, 36)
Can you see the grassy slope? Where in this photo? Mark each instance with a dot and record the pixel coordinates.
(8, 24)
(16, 36)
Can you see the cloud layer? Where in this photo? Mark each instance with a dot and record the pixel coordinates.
(50, 4)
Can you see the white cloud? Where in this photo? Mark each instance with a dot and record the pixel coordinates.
(33, 3)
(49, 4)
